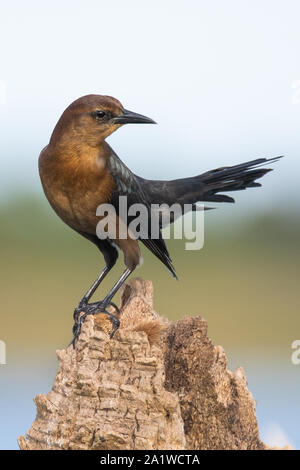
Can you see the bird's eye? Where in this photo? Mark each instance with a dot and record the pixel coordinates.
(100, 114)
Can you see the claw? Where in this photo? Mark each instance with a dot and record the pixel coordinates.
(115, 307)
(116, 323)
(92, 309)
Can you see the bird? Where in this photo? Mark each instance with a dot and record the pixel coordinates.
(80, 172)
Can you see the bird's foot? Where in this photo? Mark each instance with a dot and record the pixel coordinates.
(85, 307)
(92, 309)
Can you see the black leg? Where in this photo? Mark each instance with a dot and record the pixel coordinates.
(116, 287)
(101, 306)
(110, 253)
(95, 285)
(83, 302)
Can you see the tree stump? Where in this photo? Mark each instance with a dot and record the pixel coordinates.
(155, 385)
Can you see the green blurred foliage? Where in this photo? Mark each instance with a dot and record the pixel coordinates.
(245, 281)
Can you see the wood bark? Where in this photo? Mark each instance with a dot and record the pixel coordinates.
(155, 385)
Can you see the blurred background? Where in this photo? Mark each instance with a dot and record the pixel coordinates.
(222, 79)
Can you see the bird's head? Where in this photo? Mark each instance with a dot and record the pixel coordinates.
(92, 118)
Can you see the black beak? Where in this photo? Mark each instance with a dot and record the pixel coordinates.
(128, 117)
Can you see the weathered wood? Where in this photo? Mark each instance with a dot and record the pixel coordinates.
(155, 385)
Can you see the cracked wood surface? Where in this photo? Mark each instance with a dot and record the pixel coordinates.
(155, 385)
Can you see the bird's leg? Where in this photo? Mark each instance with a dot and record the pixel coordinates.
(101, 306)
(84, 301)
(97, 307)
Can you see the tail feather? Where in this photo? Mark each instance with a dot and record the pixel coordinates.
(234, 178)
(209, 185)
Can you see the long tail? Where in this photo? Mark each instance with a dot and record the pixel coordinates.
(233, 178)
(209, 185)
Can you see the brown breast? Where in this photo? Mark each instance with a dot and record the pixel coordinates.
(76, 183)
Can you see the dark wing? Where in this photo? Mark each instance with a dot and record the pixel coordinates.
(127, 184)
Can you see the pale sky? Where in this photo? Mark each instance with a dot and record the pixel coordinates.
(217, 76)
